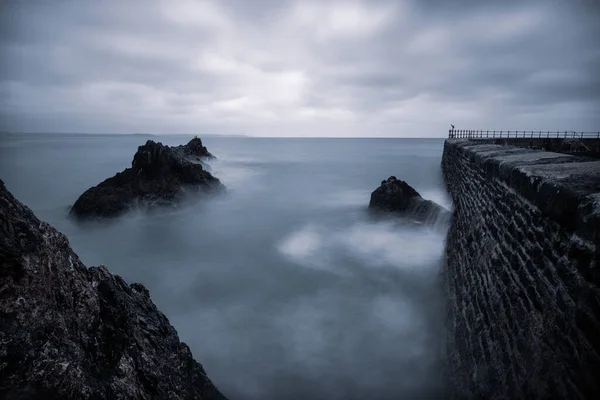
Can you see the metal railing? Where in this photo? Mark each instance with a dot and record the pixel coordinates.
(480, 134)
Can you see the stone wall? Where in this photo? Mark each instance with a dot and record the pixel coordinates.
(522, 275)
(584, 147)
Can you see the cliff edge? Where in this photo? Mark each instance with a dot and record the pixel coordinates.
(69, 332)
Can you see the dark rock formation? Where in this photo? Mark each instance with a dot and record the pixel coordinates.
(69, 332)
(159, 176)
(195, 148)
(398, 197)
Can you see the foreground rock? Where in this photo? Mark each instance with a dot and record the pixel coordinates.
(159, 176)
(398, 197)
(69, 332)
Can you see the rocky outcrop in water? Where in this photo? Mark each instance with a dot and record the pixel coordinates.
(159, 176)
(69, 332)
(398, 197)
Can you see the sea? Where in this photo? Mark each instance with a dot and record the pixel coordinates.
(284, 287)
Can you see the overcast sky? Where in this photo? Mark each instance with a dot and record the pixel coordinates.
(299, 68)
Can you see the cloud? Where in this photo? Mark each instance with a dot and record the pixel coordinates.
(342, 19)
(299, 68)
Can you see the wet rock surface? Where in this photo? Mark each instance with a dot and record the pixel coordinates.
(69, 332)
(159, 176)
(398, 197)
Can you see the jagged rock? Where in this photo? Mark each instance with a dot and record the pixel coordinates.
(159, 176)
(398, 197)
(195, 148)
(69, 332)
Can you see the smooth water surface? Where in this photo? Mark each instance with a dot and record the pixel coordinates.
(283, 287)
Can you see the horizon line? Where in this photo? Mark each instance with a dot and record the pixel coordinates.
(218, 135)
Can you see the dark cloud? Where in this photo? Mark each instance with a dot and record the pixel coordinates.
(329, 68)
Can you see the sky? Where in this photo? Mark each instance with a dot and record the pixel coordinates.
(377, 68)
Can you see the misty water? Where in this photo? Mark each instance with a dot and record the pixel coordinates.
(283, 287)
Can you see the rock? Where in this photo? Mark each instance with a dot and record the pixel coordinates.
(195, 148)
(69, 332)
(398, 197)
(159, 176)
